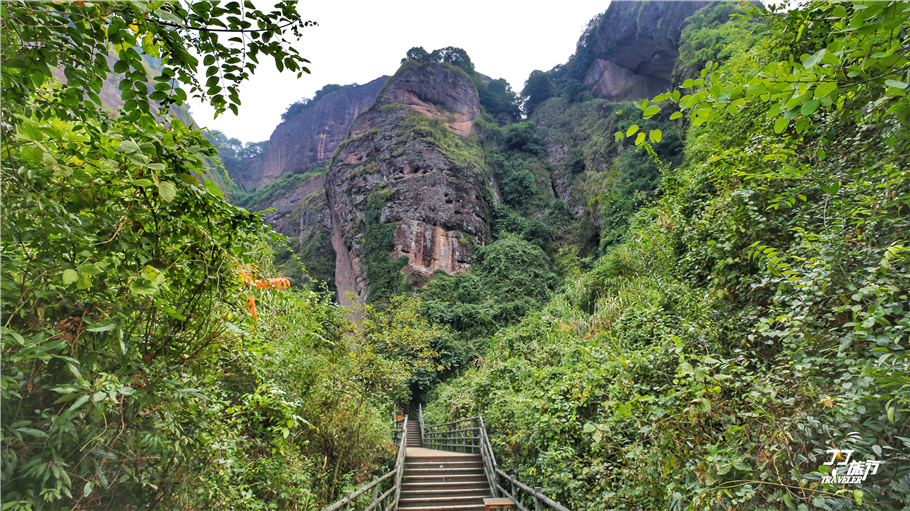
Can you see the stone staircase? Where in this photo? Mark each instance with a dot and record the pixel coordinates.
(442, 481)
(413, 433)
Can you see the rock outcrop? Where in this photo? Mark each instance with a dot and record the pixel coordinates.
(637, 44)
(411, 157)
(309, 137)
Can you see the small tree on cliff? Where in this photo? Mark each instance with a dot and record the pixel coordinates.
(538, 88)
(448, 55)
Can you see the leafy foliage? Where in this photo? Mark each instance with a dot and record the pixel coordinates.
(538, 88)
(711, 35)
(497, 97)
(384, 275)
(448, 55)
(754, 317)
(508, 278)
(134, 373)
(32, 45)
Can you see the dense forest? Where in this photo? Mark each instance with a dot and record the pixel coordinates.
(693, 307)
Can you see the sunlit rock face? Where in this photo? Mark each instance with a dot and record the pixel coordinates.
(397, 158)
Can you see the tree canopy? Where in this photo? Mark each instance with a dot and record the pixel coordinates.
(86, 41)
(151, 357)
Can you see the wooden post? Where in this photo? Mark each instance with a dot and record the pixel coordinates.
(374, 495)
(347, 505)
(537, 505)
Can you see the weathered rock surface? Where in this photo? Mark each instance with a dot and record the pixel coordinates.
(637, 45)
(309, 137)
(412, 152)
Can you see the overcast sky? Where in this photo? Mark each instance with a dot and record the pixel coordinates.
(359, 41)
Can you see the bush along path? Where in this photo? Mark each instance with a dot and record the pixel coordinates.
(749, 336)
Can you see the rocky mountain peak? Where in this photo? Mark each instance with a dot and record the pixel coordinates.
(407, 183)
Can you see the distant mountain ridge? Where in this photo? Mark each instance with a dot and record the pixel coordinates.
(310, 137)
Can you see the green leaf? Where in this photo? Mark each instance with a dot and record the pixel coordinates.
(167, 16)
(858, 495)
(143, 287)
(824, 89)
(780, 124)
(103, 326)
(213, 189)
(675, 115)
(79, 402)
(831, 188)
(87, 489)
(651, 111)
(809, 107)
(685, 368)
(167, 190)
(70, 276)
(788, 500)
(29, 131)
(632, 130)
(655, 136)
(128, 147)
(895, 83)
(640, 139)
(33, 432)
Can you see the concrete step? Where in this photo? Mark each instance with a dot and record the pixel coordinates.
(419, 465)
(432, 458)
(438, 481)
(433, 485)
(456, 507)
(437, 491)
(445, 479)
(441, 501)
(441, 471)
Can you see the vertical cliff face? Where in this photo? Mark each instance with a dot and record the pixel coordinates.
(309, 137)
(637, 44)
(409, 183)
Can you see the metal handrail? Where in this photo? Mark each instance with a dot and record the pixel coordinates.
(447, 435)
(377, 500)
(420, 420)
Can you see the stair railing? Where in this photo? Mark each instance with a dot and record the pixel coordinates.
(470, 435)
(420, 421)
(388, 501)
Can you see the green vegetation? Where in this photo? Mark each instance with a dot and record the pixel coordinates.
(711, 35)
(538, 88)
(752, 318)
(448, 55)
(720, 303)
(384, 275)
(508, 278)
(142, 365)
(260, 198)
